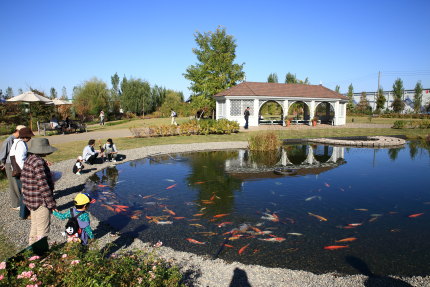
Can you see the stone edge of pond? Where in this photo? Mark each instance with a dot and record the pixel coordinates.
(199, 270)
(370, 141)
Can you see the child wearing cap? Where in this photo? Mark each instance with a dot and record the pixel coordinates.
(82, 203)
(79, 166)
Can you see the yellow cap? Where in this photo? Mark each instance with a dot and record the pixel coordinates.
(83, 198)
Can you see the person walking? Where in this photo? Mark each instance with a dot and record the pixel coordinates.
(5, 164)
(102, 118)
(173, 115)
(246, 114)
(38, 188)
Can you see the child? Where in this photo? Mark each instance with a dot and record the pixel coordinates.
(82, 203)
(79, 166)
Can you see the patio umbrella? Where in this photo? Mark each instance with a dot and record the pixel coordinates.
(59, 102)
(30, 97)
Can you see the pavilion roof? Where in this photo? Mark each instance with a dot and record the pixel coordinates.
(280, 90)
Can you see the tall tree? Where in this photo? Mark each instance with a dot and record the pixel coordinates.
(418, 97)
(363, 106)
(380, 100)
(350, 105)
(398, 90)
(215, 70)
(64, 93)
(273, 78)
(115, 93)
(337, 89)
(20, 91)
(9, 93)
(136, 96)
(290, 78)
(91, 98)
(52, 93)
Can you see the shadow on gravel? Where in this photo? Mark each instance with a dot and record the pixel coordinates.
(240, 279)
(65, 192)
(374, 280)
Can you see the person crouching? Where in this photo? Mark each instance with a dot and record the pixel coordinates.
(78, 166)
(82, 203)
(89, 154)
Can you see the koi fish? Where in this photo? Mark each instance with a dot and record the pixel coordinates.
(108, 207)
(102, 185)
(171, 186)
(313, 197)
(195, 241)
(134, 217)
(349, 239)
(355, 224)
(179, 217)
(206, 233)
(256, 229)
(197, 225)
(272, 239)
(334, 247)
(148, 196)
(415, 215)
(212, 197)
(198, 214)
(228, 245)
(224, 224)
(208, 202)
(164, 222)
(200, 182)
(221, 215)
(317, 216)
(169, 211)
(361, 209)
(120, 206)
(295, 234)
(326, 184)
(169, 180)
(373, 219)
(241, 250)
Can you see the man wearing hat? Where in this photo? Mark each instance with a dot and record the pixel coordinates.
(5, 164)
(38, 188)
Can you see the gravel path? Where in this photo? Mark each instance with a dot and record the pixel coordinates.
(199, 270)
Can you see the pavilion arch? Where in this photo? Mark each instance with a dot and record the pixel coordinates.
(325, 112)
(305, 112)
(279, 119)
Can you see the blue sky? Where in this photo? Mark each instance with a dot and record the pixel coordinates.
(48, 44)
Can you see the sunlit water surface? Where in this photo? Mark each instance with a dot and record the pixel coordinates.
(364, 194)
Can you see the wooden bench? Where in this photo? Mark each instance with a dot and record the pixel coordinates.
(62, 128)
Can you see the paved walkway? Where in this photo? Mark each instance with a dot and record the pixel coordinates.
(121, 133)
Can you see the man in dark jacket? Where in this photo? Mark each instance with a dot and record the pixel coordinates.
(246, 114)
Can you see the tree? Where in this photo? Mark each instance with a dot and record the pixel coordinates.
(64, 93)
(53, 93)
(115, 93)
(350, 105)
(398, 90)
(91, 98)
(136, 96)
(380, 100)
(215, 70)
(172, 101)
(9, 93)
(273, 78)
(202, 105)
(20, 91)
(337, 89)
(418, 97)
(292, 79)
(363, 106)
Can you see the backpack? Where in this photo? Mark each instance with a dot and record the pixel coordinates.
(72, 225)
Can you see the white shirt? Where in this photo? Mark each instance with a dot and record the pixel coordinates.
(19, 150)
(87, 152)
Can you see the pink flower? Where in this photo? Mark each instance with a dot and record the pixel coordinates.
(25, 274)
(64, 256)
(33, 278)
(74, 262)
(3, 265)
(158, 244)
(34, 258)
(139, 280)
(1, 277)
(31, 265)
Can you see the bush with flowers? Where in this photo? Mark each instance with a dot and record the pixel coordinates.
(74, 266)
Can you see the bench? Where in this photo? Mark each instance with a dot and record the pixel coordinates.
(62, 127)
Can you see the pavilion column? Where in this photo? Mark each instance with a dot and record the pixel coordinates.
(285, 110)
(311, 111)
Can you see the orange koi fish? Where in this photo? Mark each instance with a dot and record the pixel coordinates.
(108, 207)
(355, 224)
(221, 215)
(200, 182)
(169, 211)
(121, 206)
(415, 215)
(224, 224)
(148, 196)
(334, 247)
(197, 225)
(361, 209)
(349, 239)
(213, 197)
(134, 217)
(102, 185)
(195, 241)
(256, 229)
(198, 214)
(228, 245)
(243, 249)
(317, 216)
(171, 186)
(179, 217)
(208, 202)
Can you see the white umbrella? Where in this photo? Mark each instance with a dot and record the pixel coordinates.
(59, 102)
(30, 97)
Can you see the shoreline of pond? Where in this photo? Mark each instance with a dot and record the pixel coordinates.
(199, 270)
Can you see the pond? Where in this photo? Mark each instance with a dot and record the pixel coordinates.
(340, 206)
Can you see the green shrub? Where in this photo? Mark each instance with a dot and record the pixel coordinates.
(264, 141)
(71, 266)
(399, 124)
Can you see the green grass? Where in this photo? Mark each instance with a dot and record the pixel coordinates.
(126, 124)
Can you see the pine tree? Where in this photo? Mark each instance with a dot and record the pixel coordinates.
(418, 97)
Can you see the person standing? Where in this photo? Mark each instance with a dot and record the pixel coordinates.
(246, 114)
(173, 115)
(17, 156)
(38, 188)
(5, 164)
(102, 118)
